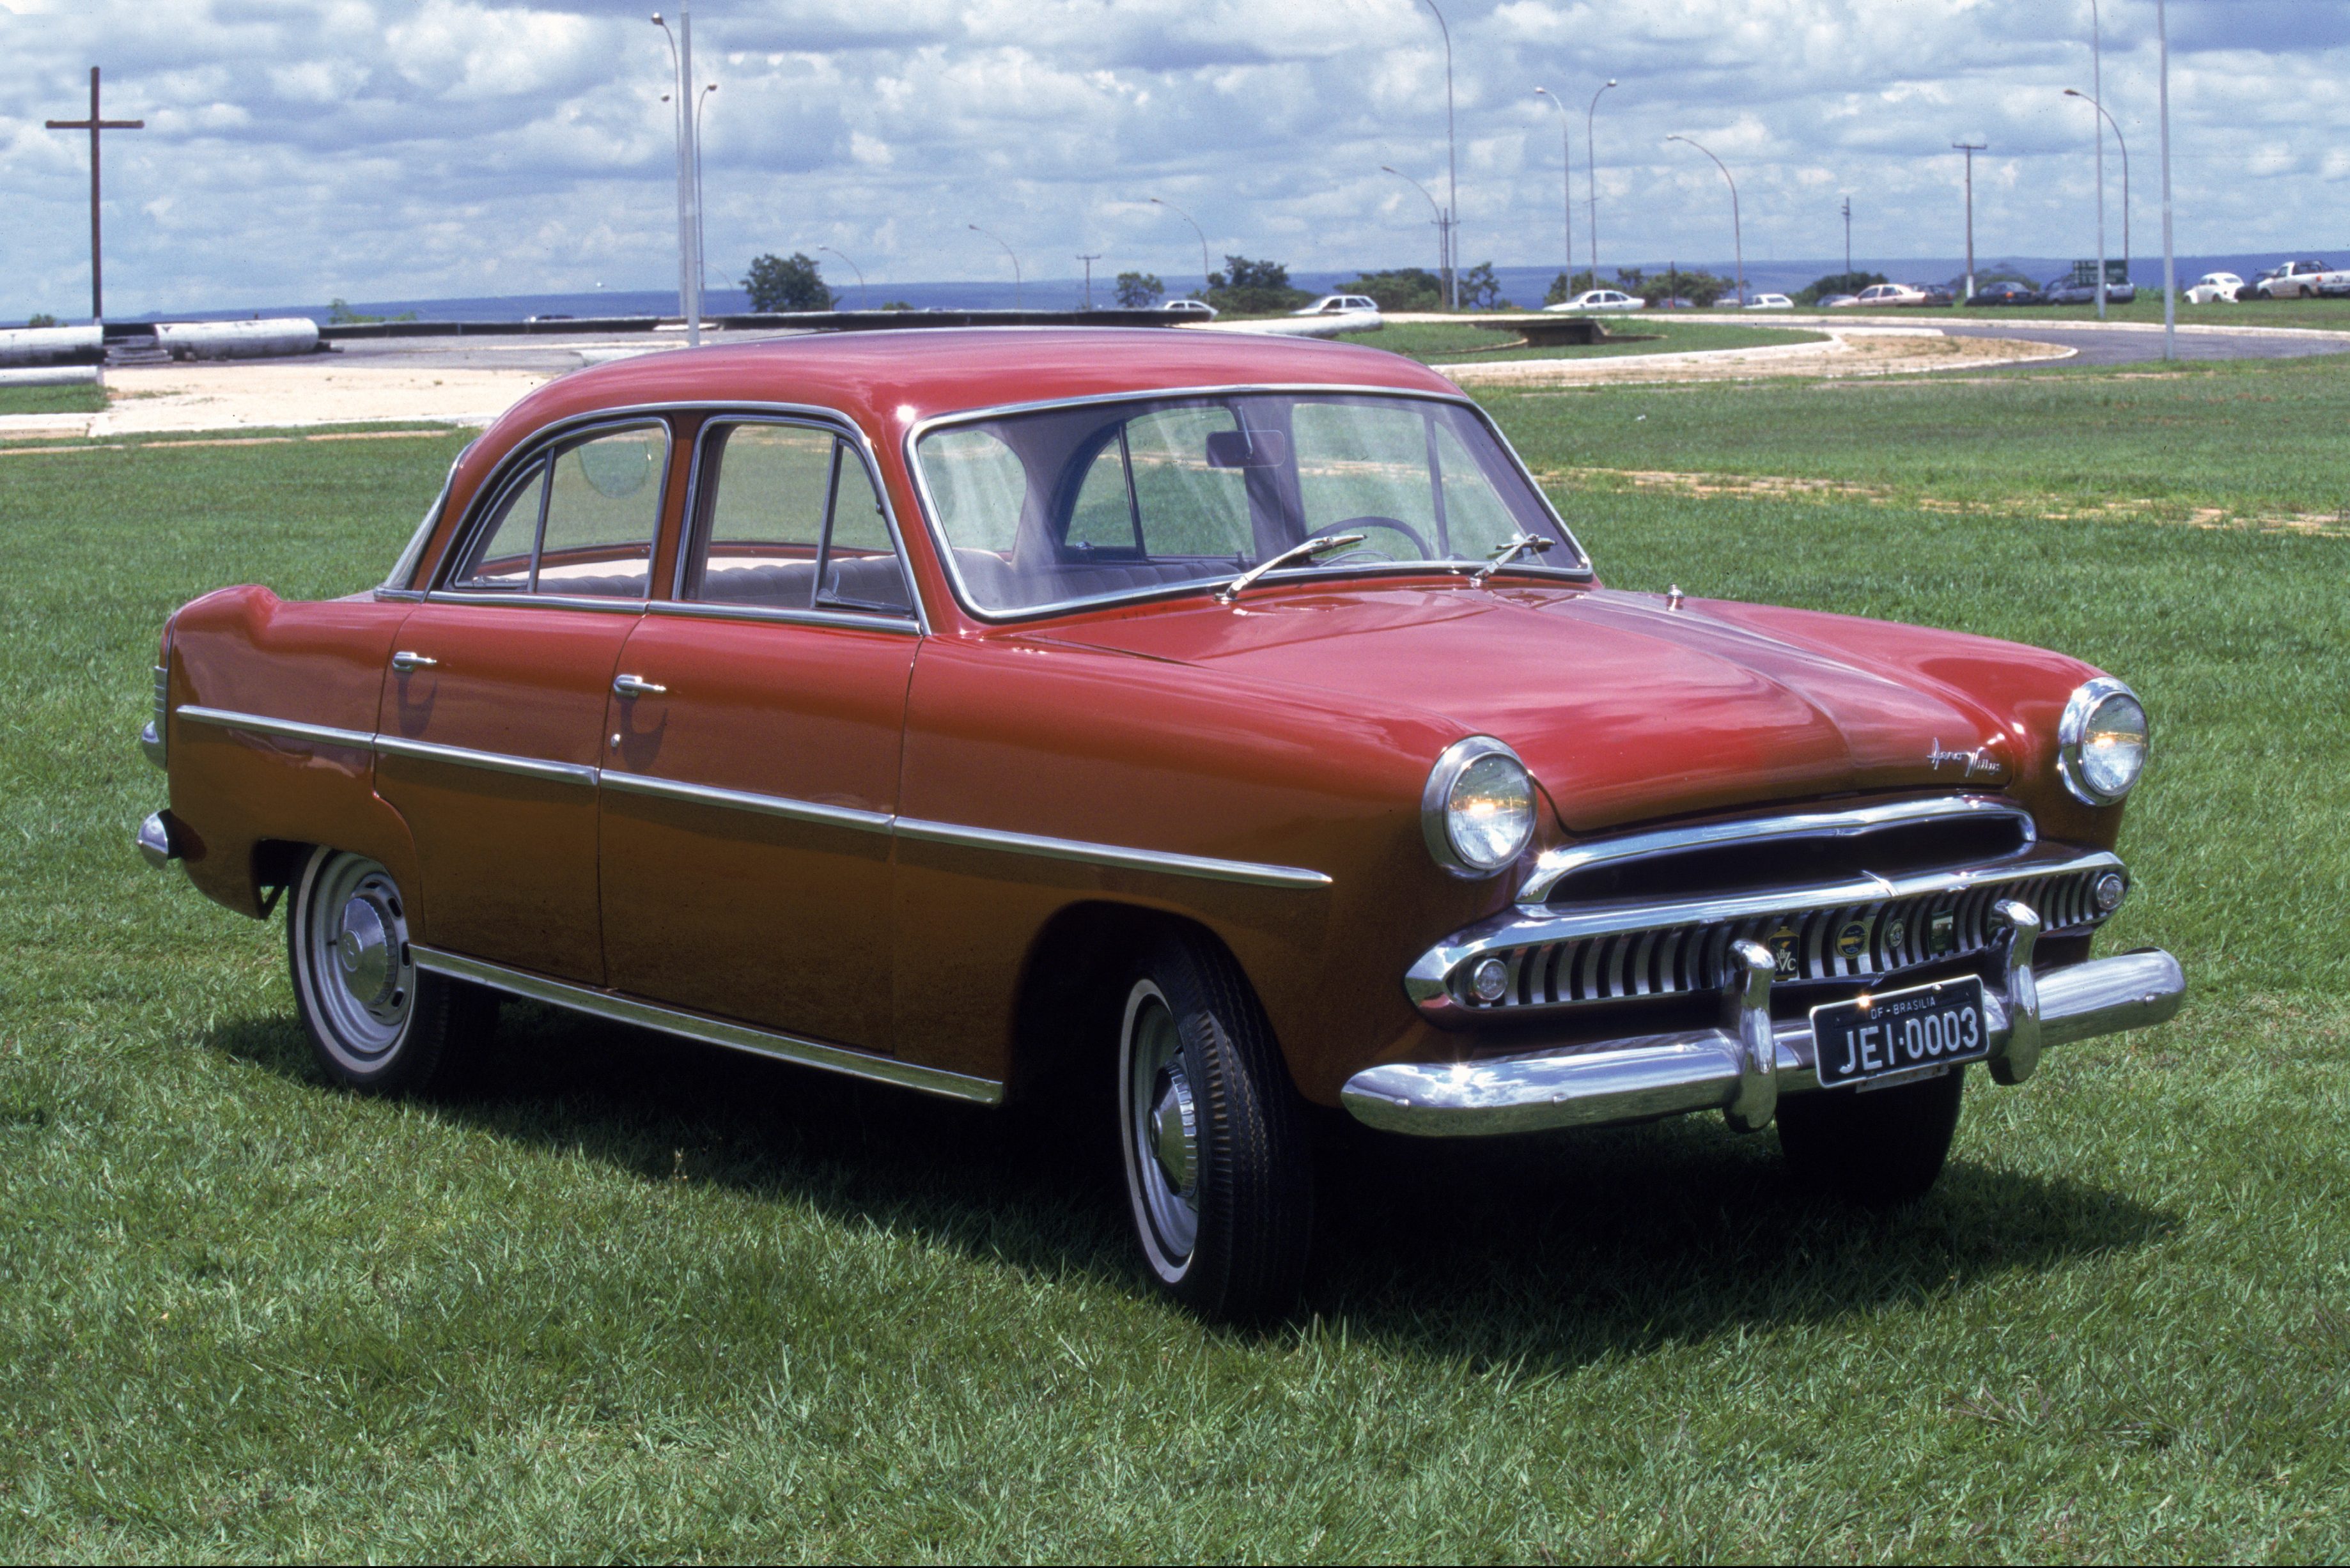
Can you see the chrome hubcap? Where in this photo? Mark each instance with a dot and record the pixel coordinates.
(1161, 1133)
(358, 970)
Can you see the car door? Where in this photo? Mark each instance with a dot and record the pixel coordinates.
(491, 716)
(751, 774)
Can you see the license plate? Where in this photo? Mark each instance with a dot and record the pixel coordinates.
(1899, 1032)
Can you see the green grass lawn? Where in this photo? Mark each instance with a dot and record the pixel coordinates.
(52, 401)
(1457, 343)
(637, 1300)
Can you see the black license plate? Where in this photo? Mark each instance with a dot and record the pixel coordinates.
(1899, 1032)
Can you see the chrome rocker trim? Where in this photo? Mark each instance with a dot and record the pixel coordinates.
(1726, 1069)
(711, 1031)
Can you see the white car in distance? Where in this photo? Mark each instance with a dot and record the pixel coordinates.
(1340, 305)
(1598, 299)
(1199, 307)
(1883, 294)
(1770, 302)
(2215, 288)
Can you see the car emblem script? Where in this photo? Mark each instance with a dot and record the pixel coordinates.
(1976, 763)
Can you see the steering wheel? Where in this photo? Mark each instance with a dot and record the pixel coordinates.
(1393, 525)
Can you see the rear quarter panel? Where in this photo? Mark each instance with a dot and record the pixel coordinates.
(247, 651)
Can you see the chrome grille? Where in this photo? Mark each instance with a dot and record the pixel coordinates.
(1817, 943)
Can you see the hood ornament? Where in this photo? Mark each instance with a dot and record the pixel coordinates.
(1976, 763)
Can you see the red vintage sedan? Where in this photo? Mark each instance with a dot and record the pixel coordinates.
(1225, 724)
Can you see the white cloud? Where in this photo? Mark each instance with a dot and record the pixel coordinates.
(404, 148)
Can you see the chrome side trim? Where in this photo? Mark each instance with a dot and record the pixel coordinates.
(944, 550)
(493, 761)
(293, 730)
(1244, 871)
(1555, 865)
(845, 618)
(1643, 1077)
(711, 1031)
(743, 800)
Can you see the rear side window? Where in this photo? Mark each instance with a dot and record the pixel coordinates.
(790, 520)
(579, 522)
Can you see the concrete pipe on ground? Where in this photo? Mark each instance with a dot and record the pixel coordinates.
(52, 346)
(238, 340)
(48, 375)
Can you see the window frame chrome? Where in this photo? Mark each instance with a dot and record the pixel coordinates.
(841, 428)
(1585, 573)
(513, 473)
(2079, 710)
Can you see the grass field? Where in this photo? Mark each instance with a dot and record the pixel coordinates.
(52, 401)
(1448, 343)
(639, 1301)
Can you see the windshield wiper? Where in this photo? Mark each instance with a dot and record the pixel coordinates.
(1510, 552)
(1307, 551)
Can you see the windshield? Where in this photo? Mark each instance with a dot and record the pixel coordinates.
(1099, 500)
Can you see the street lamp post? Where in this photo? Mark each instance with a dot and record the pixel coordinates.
(862, 298)
(1018, 302)
(1591, 159)
(1090, 261)
(1452, 169)
(1847, 236)
(2169, 257)
(700, 208)
(689, 196)
(1737, 233)
(2114, 127)
(1566, 173)
(2098, 88)
(1443, 225)
(1207, 274)
(1970, 149)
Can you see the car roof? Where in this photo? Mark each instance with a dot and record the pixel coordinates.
(884, 381)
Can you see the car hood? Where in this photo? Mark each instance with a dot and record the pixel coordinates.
(1624, 709)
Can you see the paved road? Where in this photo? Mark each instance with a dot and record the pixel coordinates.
(2134, 345)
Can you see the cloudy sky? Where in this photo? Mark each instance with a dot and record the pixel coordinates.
(298, 150)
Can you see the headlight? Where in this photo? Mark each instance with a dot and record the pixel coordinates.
(2101, 741)
(1477, 810)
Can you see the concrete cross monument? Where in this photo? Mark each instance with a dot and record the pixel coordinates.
(94, 124)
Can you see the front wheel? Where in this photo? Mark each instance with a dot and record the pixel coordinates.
(1878, 1149)
(1218, 1174)
(375, 1021)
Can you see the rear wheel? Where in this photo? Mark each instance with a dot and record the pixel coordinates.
(375, 1021)
(1878, 1149)
(1218, 1174)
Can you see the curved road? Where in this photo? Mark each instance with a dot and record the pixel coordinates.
(2118, 345)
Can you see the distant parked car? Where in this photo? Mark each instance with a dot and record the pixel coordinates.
(1881, 294)
(1839, 301)
(1340, 305)
(2215, 288)
(1600, 299)
(1770, 302)
(1939, 292)
(1199, 307)
(2070, 290)
(2297, 280)
(2007, 290)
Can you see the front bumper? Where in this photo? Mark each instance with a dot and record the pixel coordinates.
(1744, 1067)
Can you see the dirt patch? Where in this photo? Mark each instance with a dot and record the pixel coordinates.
(1849, 351)
(2052, 508)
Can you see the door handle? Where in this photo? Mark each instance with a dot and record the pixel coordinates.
(407, 662)
(633, 686)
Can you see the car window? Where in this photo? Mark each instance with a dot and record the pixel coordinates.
(791, 521)
(978, 485)
(1366, 460)
(1187, 507)
(579, 523)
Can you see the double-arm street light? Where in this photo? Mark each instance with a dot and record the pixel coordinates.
(1207, 274)
(1443, 223)
(1737, 234)
(1452, 170)
(1018, 303)
(689, 164)
(1565, 172)
(1591, 158)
